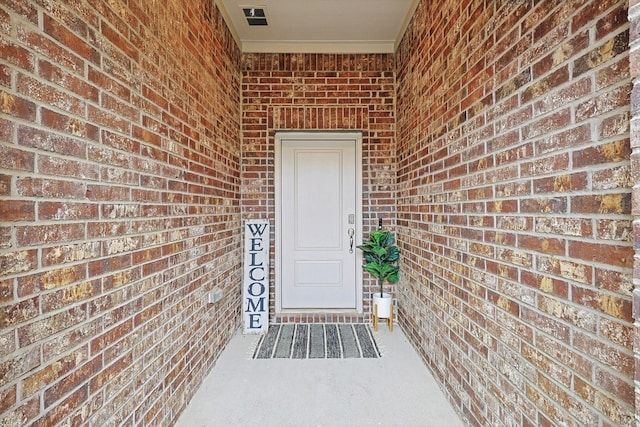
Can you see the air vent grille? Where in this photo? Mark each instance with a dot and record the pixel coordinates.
(255, 15)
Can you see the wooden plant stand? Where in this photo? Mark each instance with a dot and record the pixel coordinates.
(376, 318)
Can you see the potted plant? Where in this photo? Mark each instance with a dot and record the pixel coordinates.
(381, 257)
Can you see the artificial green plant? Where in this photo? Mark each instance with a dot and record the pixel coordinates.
(381, 257)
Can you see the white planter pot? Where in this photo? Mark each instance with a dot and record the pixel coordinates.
(384, 304)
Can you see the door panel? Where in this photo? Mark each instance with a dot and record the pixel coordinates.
(318, 273)
(318, 201)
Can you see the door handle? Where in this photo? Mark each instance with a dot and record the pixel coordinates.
(351, 233)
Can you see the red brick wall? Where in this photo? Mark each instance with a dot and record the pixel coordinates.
(318, 92)
(634, 58)
(120, 207)
(514, 202)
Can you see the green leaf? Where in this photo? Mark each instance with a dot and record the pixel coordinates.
(373, 268)
(393, 254)
(378, 237)
(369, 257)
(390, 273)
(381, 255)
(389, 239)
(380, 251)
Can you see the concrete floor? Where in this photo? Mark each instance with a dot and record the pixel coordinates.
(241, 391)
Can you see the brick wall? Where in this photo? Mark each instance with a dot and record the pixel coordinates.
(514, 202)
(120, 207)
(318, 92)
(634, 18)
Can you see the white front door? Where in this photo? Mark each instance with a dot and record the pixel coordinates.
(319, 221)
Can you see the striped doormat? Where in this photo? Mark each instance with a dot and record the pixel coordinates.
(317, 341)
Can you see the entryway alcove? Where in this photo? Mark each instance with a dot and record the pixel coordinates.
(137, 137)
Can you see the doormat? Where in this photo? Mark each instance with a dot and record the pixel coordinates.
(317, 341)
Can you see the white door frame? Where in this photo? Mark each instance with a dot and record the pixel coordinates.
(316, 135)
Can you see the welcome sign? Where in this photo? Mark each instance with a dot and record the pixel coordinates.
(255, 290)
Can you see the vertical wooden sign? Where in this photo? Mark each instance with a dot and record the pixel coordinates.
(255, 290)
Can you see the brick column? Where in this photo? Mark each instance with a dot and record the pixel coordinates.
(634, 58)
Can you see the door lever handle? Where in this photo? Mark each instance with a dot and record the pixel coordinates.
(351, 233)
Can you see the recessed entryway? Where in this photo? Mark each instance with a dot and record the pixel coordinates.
(241, 391)
(318, 221)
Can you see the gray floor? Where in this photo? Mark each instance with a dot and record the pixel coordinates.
(394, 390)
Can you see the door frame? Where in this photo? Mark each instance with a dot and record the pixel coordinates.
(281, 136)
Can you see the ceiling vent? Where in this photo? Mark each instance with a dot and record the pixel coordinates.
(255, 15)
